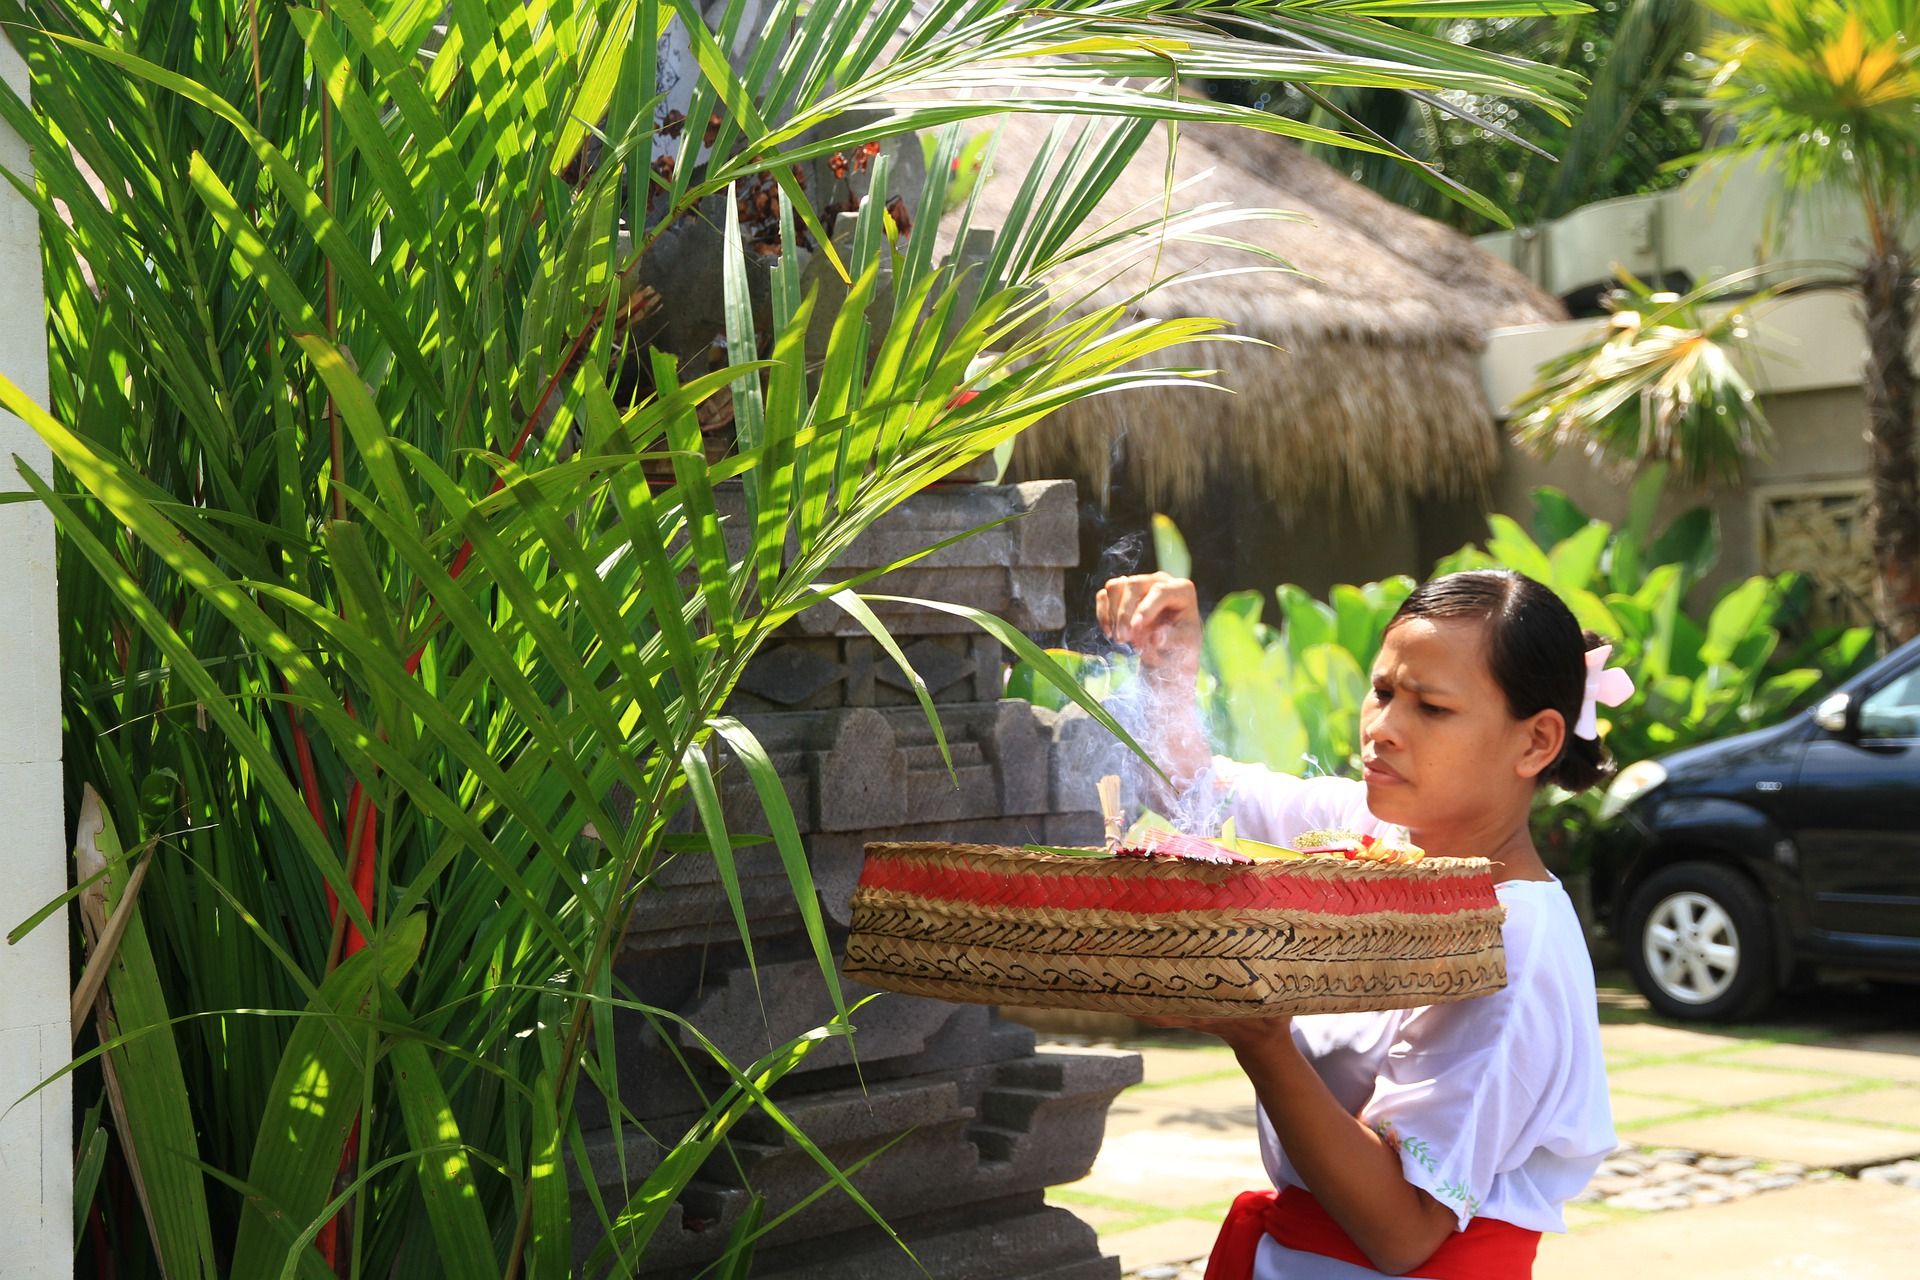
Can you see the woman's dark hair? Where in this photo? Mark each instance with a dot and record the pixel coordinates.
(1535, 649)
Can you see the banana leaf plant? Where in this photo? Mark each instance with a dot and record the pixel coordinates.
(1288, 693)
(404, 584)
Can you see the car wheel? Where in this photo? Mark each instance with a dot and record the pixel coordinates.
(1698, 943)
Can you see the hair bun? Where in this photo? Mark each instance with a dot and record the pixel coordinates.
(1583, 763)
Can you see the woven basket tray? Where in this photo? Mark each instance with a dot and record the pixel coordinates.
(994, 925)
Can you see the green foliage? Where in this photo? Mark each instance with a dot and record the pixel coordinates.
(1829, 90)
(1170, 554)
(1699, 675)
(1660, 383)
(398, 570)
(1288, 695)
(1637, 122)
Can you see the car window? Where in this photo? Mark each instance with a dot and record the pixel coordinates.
(1893, 710)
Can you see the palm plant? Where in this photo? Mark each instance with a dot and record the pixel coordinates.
(1660, 384)
(402, 590)
(1526, 163)
(1829, 90)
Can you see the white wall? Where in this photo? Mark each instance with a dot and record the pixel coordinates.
(1805, 342)
(1805, 358)
(36, 1136)
(1726, 217)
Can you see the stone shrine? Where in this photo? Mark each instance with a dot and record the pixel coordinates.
(971, 1123)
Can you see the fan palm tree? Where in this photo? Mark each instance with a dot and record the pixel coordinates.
(402, 589)
(1660, 384)
(1829, 90)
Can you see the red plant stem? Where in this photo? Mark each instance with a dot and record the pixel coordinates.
(362, 830)
(303, 754)
(363, 836)
(328, 1241)
(97, 1233)
(363, 872)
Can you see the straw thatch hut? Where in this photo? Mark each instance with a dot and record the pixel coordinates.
(1368, 397)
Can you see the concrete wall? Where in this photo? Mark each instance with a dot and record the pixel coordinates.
(1806, 361)
(36, 1136)
(1818, 440)
(1727, 217)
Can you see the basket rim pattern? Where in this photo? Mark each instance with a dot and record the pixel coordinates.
(1016, 879)
(1000, 925)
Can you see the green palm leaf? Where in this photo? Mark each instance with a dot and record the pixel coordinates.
(385, 482)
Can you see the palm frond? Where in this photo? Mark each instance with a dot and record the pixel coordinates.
(401, 599)
(1660, 382)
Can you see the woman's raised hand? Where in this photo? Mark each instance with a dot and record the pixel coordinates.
(1158, 615)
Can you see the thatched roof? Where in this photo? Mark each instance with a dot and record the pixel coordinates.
(1375, 388)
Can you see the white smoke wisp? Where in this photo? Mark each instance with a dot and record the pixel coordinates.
(1197, 810)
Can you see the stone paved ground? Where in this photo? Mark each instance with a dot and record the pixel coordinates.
(1786, 1148)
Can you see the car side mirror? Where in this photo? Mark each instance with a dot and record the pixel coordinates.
(1837, 714)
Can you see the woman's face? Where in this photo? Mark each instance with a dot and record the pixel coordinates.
(1442, 750)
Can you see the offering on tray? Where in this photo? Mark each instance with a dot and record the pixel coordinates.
(1352, 845)
(1157, 843)
(1162, 923)
(1152, 838)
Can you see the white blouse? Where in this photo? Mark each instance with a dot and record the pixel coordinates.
(1498, 1105)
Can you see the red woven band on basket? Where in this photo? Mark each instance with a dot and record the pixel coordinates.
(1239, 889)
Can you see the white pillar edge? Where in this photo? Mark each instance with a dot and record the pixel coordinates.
(36, 1135)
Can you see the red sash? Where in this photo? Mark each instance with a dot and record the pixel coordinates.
(1487, 1249)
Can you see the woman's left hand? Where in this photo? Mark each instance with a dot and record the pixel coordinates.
(1243, 1035)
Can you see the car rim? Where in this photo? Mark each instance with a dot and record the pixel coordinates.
(1692, 949)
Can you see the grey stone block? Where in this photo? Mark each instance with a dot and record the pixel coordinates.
(685, 905)
(818, 673)
(745, 1019)
(1018, 1242)
(955, 1124)
(866, 768)
(1015, 570)
(976, 1137)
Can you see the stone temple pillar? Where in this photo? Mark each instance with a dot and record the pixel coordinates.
(980, 1124)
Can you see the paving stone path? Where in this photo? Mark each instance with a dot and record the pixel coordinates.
(1654, 1179)
(1812, 1119)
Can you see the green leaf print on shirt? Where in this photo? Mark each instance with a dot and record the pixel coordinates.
(1422, 1153)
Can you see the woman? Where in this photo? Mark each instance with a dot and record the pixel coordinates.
(1436, 1142)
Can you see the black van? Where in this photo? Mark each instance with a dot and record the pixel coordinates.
(1734, 868)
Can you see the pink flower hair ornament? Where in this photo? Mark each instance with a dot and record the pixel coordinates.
(1606, 686)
